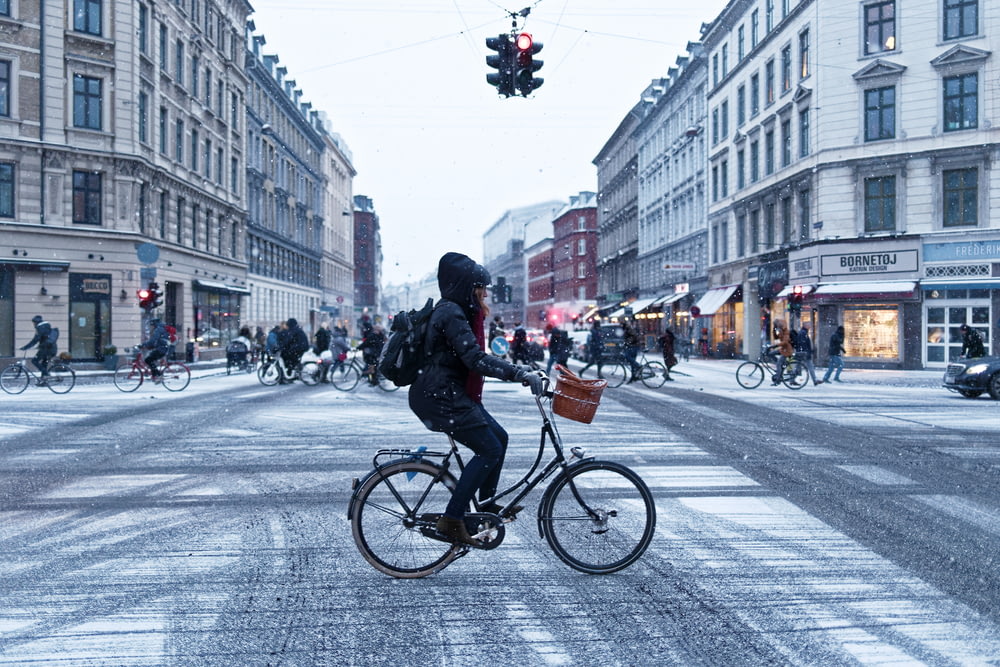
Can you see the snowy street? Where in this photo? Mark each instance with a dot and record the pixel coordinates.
(851, 523)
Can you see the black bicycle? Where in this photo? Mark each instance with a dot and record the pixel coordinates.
(597, 516)
(750, 374)
(15, 378)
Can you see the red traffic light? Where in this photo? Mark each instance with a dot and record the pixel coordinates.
(797, 289)
(524, 42)
(143, 294)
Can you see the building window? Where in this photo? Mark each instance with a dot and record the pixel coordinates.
(194, 150)
(769, 152)
(208, 88)
(805, 215)
(803, 54)
(786, 68)
(207, 161)
(179, 62)
(86, 198)
(754, 95)
(163, 215)
(581, 247)
(5, 88)
(195, 80)
(6, 190)
(755, 230)
(961, 102)
(234, 174)
(786, 220)
(786, 142)
(164, 57)
(804, 133)
(754, 28)
(179, 141)
(880, 204)
(724, 241)
(961, 193)
(143, 28)
(724, 117)
(86, 102)
(741, 106)
(961, 18)
(769, 93)
(87, 16)
(768, 15)
(725, 59)
(219, 161)
(724, 178)
(715, 184)
(754, 161)
(769, 225)
(581, 270)
(880, 113)
(163, 130)
(143, 117)
(180, 219)
(741, 235)
(5, 7)
(741, 50)
(741, 170)
(715, 69)
(715, 126)
(784, 7)
(880, 27)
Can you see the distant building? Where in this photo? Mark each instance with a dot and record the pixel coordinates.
(367, 264)
(574, 260)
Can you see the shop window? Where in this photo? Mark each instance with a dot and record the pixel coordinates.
(873, 332)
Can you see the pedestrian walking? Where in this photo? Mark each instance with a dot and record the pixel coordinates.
(837, 350)
(631, 342)
(559, 348)
(666, 343)
(595, 349)
(804, 353)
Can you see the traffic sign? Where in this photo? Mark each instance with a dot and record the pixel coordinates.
(147, 253)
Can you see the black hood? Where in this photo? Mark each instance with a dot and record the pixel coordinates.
(457, 276)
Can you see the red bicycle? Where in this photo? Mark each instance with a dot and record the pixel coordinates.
(130, 375)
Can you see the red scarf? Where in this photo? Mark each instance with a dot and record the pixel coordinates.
(474, 383)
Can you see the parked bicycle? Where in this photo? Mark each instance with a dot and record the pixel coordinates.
(16, 377)
(750, 374)
(597, 516)
(130, 375)
(346, 375)
(273, 368)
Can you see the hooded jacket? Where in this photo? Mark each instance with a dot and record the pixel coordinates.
(439, 397)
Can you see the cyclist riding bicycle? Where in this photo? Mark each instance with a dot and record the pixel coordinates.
(158, 344)
(46, 346)
(447, 395)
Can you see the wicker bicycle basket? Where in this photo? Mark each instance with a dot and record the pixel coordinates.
(576, 398)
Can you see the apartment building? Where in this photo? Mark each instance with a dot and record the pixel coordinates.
(853, 162)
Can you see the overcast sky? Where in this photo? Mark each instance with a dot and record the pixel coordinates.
(439, 152)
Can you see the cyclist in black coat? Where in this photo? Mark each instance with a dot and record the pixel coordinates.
(43, 339)
(447, 396)
(294, 343)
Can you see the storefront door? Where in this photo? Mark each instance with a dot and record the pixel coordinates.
(89, 315)
(944, 312)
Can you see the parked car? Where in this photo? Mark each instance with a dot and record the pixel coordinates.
(972, 377)
(579, 339)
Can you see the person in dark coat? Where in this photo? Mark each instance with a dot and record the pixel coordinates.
(43, 339)
(447, 395)
(560, 346)
(666, 341)
(972, 343)
(836, 362)
(158, 345)
(294, 344)
(321, 338)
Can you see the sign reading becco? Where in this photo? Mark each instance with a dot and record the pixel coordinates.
(865, 263)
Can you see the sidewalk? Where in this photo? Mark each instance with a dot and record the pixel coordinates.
(898, 378)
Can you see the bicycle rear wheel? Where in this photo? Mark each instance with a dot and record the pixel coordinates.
(750, 374)
(62, 378)
(14, 379)
(386, 513)
(653, 374)
(598, 517)
(795, 376)
(310, 373)
(344, 377)
(615, 373)
(268, 373)
(128, 377)
(176, 376)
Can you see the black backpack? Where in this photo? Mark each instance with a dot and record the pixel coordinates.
(53, 337)
(405, 354)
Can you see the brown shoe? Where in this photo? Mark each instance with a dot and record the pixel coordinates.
(455, 530)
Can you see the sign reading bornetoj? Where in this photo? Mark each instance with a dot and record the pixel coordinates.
(879, 262)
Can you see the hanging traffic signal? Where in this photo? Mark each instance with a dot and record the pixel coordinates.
(156, 296)
(145, 299)
(502, 62)
(525, 65)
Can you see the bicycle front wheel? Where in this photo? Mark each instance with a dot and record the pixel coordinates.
(344, 377)
(388, 511)
(795, 376)
(750, 374)
(268, 373)
(14, 379)
(128, 377)
(615, 373)
(310, 373)
(598, 517)
(62, 378)
(653, 374)
(176, 376)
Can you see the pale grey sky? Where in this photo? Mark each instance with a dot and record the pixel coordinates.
(440, 154)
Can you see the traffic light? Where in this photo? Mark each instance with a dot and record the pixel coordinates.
(507, 292)
(145, 299)
(795, 299)
(156, 296)
(503, 78)
(525, 65)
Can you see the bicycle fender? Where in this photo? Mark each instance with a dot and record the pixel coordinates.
(548, 490)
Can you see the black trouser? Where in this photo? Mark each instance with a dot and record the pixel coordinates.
(42, 362)
(151, 360)
(482, 473)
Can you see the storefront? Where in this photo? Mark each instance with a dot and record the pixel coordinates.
(961, 285)
(869, 288)
(89, 315)
(717, 317)
(217, 309)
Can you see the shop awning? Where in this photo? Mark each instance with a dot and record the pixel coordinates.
(713, 299)
(960, 283)
(590, 313)
(43, 264)
(640, 305)
(806, 289)
(213, 286)
(895, 287)
(670, 298)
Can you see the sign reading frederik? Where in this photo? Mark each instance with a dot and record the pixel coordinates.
(879, 262)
